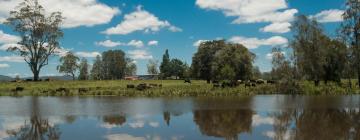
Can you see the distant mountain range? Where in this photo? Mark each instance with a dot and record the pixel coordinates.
(4, 78)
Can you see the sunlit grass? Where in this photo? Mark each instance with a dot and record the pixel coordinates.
(173, 88)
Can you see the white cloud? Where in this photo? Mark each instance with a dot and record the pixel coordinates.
(123, 137)
(153, 43)
(87, 54)
(4, 66)
(140, 54)
(7, 38)
(13, 58)
(137, 124)
(277, 27)
(109, 43)
(332, 15)
(251, 11)
(136, 43)
(140, 20)
(197, 43)
(253, 43)
(76, 12)
(288, 135)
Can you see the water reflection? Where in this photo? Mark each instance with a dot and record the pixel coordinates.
(259, 117)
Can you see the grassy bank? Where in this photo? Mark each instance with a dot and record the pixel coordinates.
(175, 88)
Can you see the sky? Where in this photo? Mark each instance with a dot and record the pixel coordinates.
(144, 29)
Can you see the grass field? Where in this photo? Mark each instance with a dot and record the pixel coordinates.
(176, 88)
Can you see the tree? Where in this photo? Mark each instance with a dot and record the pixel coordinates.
(152, 67)
(236, 56)
(131, 68)
(335, 60)
(68, 64)
(308, 48)
(165, 65)
(96, 69)
(256, 73)
(177, 68)
(113, 65)
(39, 34)
(203, 59)
(351, 32)
(227, 73)
(84, 70)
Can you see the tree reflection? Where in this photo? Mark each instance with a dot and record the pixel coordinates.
(223, 123)
(37, 128)
(115, 119)
(166, 116)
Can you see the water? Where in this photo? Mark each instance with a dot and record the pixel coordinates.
(113, 118)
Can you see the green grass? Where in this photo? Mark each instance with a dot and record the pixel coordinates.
(173, 88)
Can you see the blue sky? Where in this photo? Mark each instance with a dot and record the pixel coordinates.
(145, 28)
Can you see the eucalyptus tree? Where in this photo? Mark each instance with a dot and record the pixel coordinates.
(84, 69)
(39, 32)
(69, 64)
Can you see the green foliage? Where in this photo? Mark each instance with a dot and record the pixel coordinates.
(165, 68)
(227, 73)
(177, 68)
(212, 56)
(113, 65)
(39, 34)
(350, 33)
(69, 64)
(96, 69)
(84, 70)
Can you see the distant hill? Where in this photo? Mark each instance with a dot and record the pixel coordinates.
(5, 78)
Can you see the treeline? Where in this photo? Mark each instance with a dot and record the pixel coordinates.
(111, 65)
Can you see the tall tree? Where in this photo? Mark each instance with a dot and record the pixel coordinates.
(39, 33)
(131, 68)
(96, 69)
(308, 48)
(84, 69)
(165, 65)
(152, 67)
(113, 64)
(236, 56)
(203, 59)
(177, 68)
(351, 32)
(335, 60)
(69, 64)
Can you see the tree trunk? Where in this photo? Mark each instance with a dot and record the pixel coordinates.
(316, 82)
(358, 79)
(36, 75)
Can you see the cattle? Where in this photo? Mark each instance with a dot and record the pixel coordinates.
(17, 89)
(250, 84)
(130, 86)
(187, 81)
(142, 86)
(271, 82)
(240, 82)
(82, 90)
(216, 85)
(153, 85)
(160, 85)
(260, 81)
(215, 81)
(28, 80)
(62, 90)
(47, 79)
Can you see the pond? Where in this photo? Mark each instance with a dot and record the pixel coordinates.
(118, 118)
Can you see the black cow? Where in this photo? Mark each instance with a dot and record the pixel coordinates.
(187, 81)
(82, 90)
(130, 86)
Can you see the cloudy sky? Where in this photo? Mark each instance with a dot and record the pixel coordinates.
(145, 28)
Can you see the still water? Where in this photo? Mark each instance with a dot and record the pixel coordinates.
(117, 118)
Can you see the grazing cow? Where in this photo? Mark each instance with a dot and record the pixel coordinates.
(215, 81)
(271, 82)
(153, 85)
(260, 81)
(187, 81)
(130, 86)
(160, 85)
(17, 89)
(62, 90)
(82, 90)
(47, 79)
(142, 86)
(240, 82)
(29, 80)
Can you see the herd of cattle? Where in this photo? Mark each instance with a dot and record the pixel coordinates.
(144, 86)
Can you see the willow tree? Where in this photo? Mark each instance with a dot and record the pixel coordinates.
(351, 33)
(39, 34)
